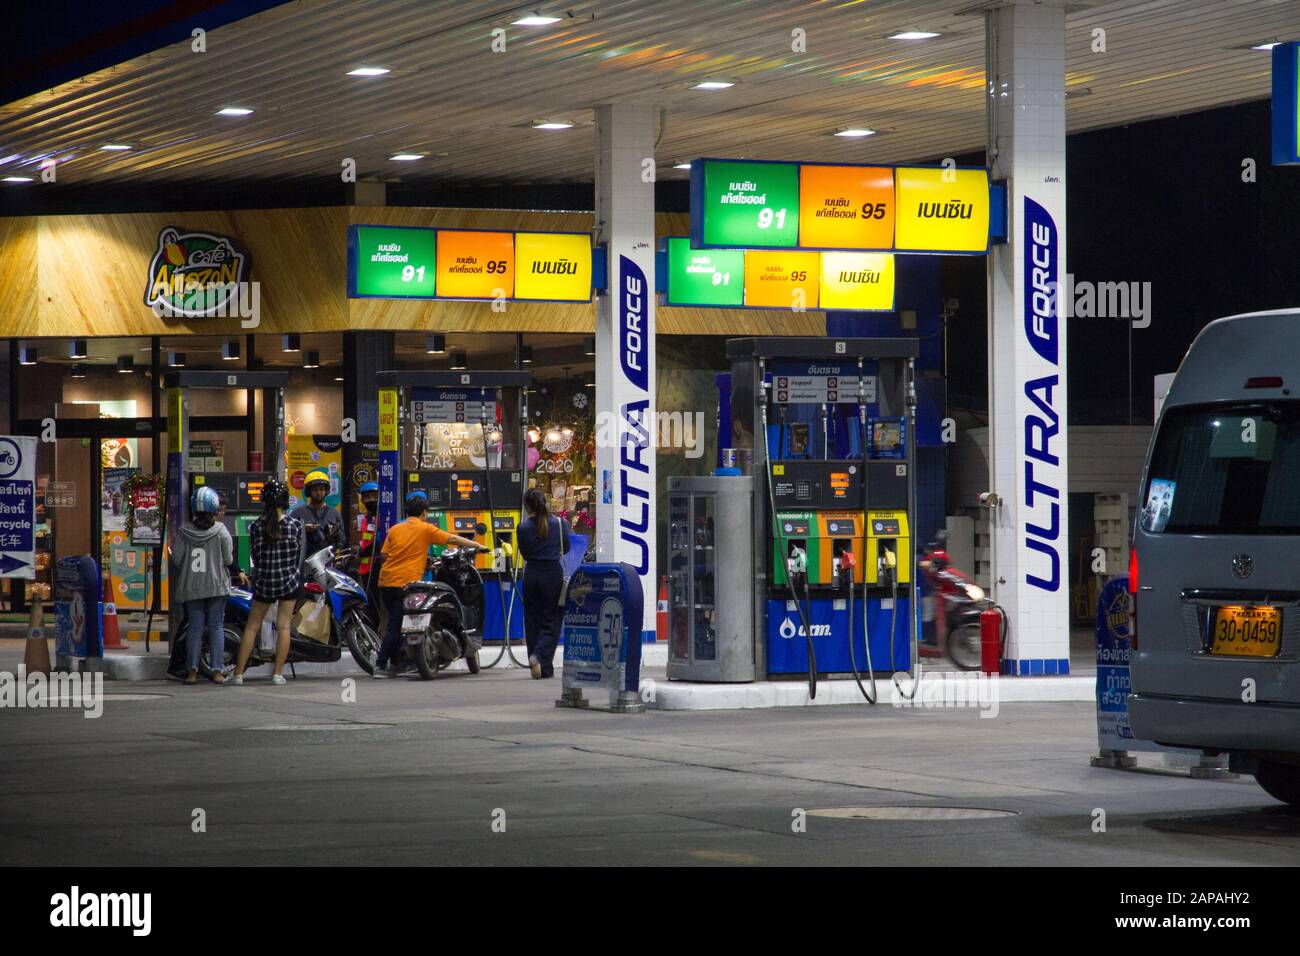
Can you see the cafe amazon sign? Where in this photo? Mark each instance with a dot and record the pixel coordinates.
(195, 274)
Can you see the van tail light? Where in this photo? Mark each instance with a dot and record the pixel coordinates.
(1264, 381)
(1133, 598)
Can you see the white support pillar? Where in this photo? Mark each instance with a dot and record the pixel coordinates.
(625, 345)
(1027, 338)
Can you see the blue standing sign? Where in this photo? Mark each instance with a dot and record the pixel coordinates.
(603, 620)
(17, 506)
(77, 604)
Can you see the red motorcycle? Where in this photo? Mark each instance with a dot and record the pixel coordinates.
(958, 602)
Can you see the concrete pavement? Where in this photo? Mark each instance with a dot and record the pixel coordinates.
(415, 772)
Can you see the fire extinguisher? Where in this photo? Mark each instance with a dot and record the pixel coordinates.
(991, 627)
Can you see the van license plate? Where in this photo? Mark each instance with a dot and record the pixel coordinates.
(1247, 631)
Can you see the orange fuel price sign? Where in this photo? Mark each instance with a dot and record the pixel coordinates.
(846, 207)
(475, 265)
(782, 280)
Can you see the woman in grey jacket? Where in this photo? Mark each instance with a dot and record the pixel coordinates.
(200, 573)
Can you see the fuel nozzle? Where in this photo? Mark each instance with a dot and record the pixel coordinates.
(796, 564)
(886, 564)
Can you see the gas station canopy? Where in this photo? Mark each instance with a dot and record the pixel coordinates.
(799, 72)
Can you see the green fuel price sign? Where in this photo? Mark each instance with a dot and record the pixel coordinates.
(712, 277)
(391, 262)
(746, 204)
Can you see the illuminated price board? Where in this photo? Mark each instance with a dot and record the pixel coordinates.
(392, 262)
(1286, 104)
(941, 210)
(553, 266)
(713, 277)
(846, 207)
(764, 205)
(476, 265)
(744, 204)
(782, 280)
(761, 278)
(857, 281)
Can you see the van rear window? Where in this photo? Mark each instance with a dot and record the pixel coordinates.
(1225, 469)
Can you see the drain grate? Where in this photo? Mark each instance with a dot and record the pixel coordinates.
(912, 813)
(322, 727)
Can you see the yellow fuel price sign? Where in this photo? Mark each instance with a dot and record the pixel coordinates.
(862, 281)
(941, 210)
(553, 266)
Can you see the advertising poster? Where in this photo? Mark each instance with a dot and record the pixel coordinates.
(129, 576)
(146, 531)
(114, 501)
(207, 454)
(1160, 501)
(308, 453)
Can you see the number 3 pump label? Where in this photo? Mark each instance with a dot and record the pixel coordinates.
(846, 207)
(476, 265)
(751, 205)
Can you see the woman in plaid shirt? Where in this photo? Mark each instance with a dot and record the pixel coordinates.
(276, 545)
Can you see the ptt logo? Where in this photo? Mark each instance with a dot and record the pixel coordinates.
(789, 629)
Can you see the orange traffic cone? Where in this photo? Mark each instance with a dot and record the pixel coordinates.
(112, 635)
(36, 656)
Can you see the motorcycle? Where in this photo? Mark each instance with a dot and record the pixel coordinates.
(442, 619)
(958, 603)
(349, 620)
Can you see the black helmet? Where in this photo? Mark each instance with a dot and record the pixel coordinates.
(275, 494)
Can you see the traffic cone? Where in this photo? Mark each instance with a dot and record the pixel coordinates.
(661, 614)
(36, 655)
(111, 633)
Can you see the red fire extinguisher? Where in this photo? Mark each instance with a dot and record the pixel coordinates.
(991, 640)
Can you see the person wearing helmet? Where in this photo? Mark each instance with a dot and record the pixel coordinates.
(276, 546)
(369, 524)
(202, 555)
(323, 524)
(405, 559)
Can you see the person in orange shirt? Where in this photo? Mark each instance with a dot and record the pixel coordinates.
(405, 558)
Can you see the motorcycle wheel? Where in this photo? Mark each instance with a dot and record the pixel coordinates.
(230, 652)
(471, 661)
(362, 640)
(964, 647)
(426, 657)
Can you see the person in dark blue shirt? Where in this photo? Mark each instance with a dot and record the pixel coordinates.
(543, 541)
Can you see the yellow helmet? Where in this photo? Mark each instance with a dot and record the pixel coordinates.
(314, 477)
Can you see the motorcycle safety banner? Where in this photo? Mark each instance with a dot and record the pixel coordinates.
(17, 506)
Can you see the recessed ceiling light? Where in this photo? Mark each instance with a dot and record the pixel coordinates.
(229, 351)
(369, 71)
(406, 157)
(914, 35)
(233, 111)
(549, 124)
(435, 344)
(27, 355)
(77, 349)
(114, 147)
(310, 358)
(290, 342)
(78, 370)
(17, 179)
(855, 132)
(682, 166)
(535, 20)
(1265, 47)
(713, 85)
(125, 364)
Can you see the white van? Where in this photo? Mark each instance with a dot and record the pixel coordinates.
(1215, 568)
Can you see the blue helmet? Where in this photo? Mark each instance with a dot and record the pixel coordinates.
(370, 486)
(206, 501)
(417, 497)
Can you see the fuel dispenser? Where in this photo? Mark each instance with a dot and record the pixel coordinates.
(828, 426)
(240, 491)
(458, 437)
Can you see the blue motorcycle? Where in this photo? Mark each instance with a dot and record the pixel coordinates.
(331, 612)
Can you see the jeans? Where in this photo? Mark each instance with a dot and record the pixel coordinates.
(206, 614)
(391, 645)
(543, 616)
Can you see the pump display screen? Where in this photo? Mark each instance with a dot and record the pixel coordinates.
(887, 437)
